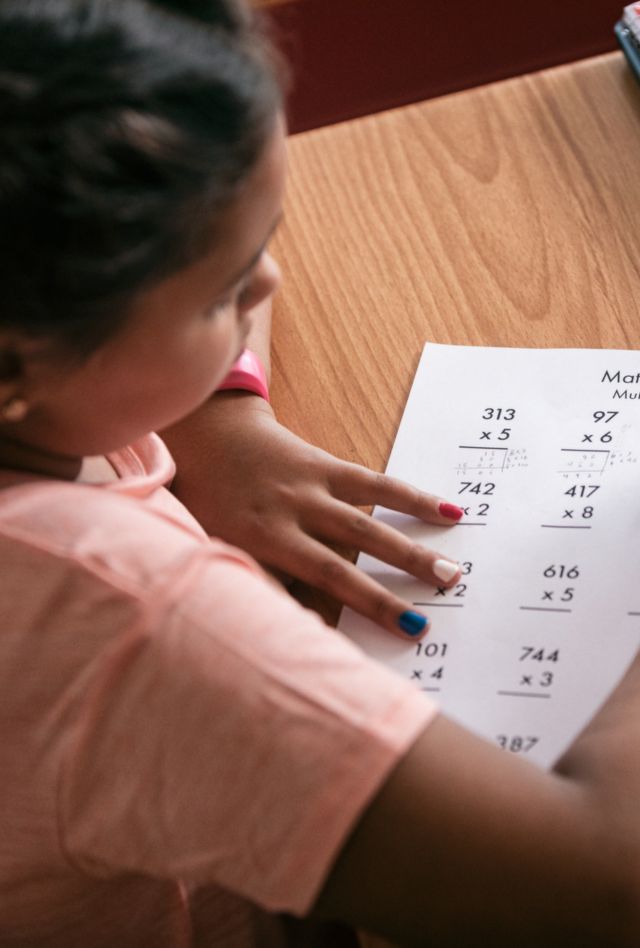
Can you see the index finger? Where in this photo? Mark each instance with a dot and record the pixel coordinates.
(361, 487)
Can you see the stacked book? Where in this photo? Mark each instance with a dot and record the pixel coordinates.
(627, 31)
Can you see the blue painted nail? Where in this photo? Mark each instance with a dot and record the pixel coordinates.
(413, 623)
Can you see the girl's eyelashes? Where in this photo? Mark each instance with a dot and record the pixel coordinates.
(235, 297)
(243, 293)
(212, 311)
(244, 285)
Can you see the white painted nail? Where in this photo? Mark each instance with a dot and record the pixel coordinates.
(445, 569)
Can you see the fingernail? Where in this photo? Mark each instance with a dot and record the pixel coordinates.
(445, 569)
(450, 511)
(413, 623)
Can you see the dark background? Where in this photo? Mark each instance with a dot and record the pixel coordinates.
(354, 57)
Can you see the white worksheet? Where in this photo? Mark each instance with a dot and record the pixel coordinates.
(541, 448)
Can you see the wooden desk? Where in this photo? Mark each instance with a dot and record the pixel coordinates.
(508, 215)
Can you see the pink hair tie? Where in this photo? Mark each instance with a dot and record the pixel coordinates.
(247, 373)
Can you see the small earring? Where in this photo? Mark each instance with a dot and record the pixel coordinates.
(14, 409)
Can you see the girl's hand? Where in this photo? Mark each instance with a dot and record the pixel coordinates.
(251, 482)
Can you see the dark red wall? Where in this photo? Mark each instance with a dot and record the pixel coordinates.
(353, 57)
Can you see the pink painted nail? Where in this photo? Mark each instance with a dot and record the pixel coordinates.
(451, 511)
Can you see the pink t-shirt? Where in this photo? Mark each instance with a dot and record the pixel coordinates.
(178, 738)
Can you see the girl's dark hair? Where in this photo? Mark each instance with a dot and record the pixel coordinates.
(126, 128)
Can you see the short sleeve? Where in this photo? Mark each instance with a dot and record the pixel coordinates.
(231, 738)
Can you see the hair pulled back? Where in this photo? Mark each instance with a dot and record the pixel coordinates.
(127, 127)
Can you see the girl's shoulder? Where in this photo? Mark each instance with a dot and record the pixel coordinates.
(132, 533)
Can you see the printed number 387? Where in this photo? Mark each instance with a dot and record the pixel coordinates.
(516, 744)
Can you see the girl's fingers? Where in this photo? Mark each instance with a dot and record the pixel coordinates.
(360, 487)
(320, 567)
(347, 526)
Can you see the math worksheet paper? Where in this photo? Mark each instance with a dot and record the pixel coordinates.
(541, 449)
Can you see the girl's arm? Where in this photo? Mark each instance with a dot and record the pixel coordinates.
(253, 483)
(467, 845)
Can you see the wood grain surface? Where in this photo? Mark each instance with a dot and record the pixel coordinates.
(508, 215)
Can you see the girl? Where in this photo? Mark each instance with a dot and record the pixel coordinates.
(185, 751)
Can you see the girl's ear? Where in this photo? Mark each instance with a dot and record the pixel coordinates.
(14, 377)
(14, 409)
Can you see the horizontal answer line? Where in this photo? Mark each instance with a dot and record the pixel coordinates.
(544, 609)
(524, 694)
(565, 526)
(633, 613)
(470, 523)
(430, 689)
(587, 450)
